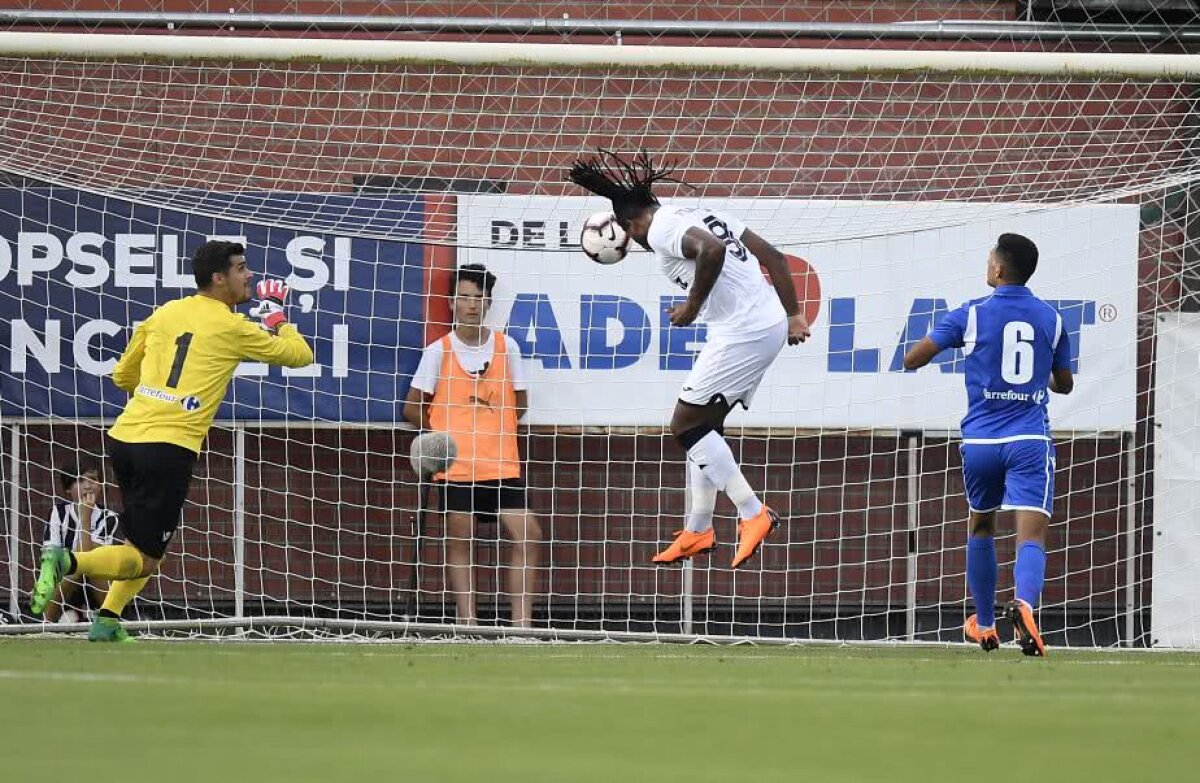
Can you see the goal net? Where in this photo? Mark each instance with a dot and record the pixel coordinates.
(365, 183)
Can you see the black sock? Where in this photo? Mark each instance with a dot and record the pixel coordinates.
(108, 613)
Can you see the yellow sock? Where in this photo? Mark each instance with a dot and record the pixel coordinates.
(120, 593)
(109, 562)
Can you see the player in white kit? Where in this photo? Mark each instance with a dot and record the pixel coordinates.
(716, 259)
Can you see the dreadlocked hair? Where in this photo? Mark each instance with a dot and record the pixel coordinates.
(628, 185)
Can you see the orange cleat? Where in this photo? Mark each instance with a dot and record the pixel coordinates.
(685, 545)
(751, 533)
(989, 640)
(1028, 637)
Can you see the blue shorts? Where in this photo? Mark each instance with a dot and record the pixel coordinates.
(1014, 476)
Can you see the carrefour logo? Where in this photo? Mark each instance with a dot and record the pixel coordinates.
(1009, 395)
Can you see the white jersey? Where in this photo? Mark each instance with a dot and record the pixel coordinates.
(742, 303)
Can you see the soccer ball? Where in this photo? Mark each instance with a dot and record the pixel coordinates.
(432, 452)
(603, 239)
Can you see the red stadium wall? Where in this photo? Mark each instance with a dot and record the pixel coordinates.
(330, 521)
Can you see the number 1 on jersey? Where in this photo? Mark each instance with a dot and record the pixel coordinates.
(182, 343)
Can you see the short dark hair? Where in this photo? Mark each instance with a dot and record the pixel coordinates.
(1020, 257)
(214, 256)
(68, 477)
(473, 273)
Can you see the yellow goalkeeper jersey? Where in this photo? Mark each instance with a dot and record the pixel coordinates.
(179, 363)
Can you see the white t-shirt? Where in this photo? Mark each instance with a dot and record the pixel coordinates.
(475, 359)
(741, 302)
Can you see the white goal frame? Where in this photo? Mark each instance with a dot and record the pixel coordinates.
(535, 55)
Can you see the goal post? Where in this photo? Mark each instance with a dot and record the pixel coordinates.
(547, 55)
(364, 171)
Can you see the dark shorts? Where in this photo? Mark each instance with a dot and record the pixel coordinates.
(484, 498)
(154, 480)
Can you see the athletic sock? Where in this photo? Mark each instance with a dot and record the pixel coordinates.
(712, 455)
(109, 562)
(120, 593)
(981, 578)
(704, 500)
(1030, 572)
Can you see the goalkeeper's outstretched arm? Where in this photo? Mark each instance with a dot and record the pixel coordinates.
(287, 348)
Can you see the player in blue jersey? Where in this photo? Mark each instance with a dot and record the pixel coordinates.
(1015, 349)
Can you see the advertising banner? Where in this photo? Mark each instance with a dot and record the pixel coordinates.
(600, 349)
(77, 271)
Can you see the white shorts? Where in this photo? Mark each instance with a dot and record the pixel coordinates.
(731, 370)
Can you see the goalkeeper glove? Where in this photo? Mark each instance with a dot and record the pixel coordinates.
(269, 309)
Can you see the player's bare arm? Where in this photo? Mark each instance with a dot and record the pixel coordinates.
(709, 255)
(1062, 381)
(776, 265)
(921, 354)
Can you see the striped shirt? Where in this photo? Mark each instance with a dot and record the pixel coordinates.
(62, 528)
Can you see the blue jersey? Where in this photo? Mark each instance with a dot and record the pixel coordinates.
(1012, 342)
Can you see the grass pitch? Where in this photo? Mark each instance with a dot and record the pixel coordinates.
(219, 712)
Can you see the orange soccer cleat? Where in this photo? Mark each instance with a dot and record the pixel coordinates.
(1021, 614)
(989, 640)
(751, 533)
(685, 545)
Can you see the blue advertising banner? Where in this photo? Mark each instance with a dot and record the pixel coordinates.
(78, 270)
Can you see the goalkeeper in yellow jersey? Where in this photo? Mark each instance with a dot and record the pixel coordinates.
(176, 369)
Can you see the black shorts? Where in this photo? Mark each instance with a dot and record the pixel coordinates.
(484, 498)
(154, 480)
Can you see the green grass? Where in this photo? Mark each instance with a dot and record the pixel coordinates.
(176, 711)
